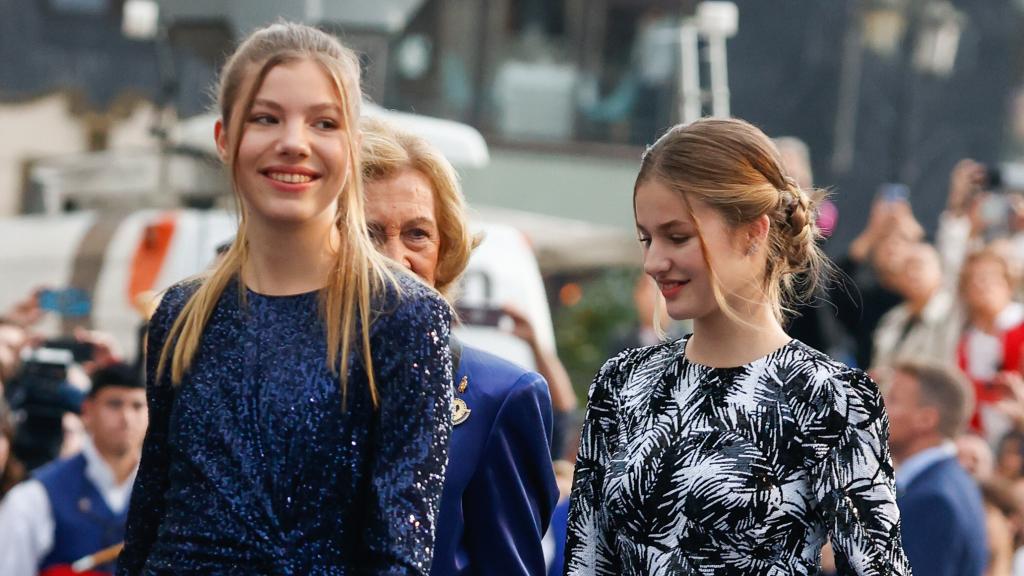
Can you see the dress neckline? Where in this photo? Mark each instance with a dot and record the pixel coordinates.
(760, 360)
(250, 293)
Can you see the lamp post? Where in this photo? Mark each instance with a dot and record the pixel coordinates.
(141, 21)
(715, 22)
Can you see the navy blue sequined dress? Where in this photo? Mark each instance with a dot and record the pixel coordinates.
(253, 467)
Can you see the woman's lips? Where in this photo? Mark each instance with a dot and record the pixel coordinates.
(670, 289)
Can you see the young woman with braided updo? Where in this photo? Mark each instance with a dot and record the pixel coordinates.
(736, 449)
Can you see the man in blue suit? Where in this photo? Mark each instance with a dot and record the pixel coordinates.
(941, 507)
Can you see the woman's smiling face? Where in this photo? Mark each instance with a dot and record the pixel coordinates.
(293, 158)
(674, 256)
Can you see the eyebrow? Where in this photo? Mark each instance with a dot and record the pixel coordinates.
(668, 225)
(332, 106)
(421, 221)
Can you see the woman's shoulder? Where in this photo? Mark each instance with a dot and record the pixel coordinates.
(174, 298)
(408, 301)
(498, 377)
(638, 363)
(828, 393)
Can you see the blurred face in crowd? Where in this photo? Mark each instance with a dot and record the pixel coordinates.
(674, 256)
(796, 166)
(402, 220)
(921, 273)
(12, 340)
(909, 417)
(887, 260)
(1010, 458)
(116, 418)
(985, 287)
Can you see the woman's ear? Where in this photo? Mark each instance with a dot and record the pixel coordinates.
(757, 233)
(220, 136)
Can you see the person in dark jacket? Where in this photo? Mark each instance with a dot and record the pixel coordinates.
(940, 504)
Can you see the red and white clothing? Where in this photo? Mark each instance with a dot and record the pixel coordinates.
(982, 355)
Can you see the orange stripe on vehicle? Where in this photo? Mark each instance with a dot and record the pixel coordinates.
(150, 255)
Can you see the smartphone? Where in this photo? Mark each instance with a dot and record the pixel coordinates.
(993, 179)
(894, 192)
(70, 302)
(480, 315)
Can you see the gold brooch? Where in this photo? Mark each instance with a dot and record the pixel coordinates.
(460, 411)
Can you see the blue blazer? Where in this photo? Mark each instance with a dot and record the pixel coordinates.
(943, 522)
(499, 489)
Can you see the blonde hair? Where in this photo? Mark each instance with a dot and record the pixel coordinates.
(359, 271)
(388, 151)
(987, 254)
(734, 168)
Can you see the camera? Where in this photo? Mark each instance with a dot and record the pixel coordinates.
(1006, 177)
(39, 395)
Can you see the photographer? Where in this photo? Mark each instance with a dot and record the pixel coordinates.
(76, 507)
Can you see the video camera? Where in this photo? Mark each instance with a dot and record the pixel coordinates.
(39, 396)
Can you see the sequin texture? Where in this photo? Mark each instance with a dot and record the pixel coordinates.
(253, 467)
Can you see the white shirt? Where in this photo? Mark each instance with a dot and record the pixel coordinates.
(26, 518)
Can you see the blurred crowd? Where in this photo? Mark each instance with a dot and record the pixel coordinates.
(940, 326)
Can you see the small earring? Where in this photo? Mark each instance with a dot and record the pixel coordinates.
(753, 249)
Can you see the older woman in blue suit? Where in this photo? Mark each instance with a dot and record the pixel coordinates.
(499, 488)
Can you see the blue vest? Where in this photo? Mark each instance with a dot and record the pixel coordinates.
(83, 523)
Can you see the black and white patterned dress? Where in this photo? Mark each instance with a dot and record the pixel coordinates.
(689, 470)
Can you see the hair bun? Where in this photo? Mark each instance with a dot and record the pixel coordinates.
(799, 221)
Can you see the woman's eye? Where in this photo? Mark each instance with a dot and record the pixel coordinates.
(418, 234)
(325, 124)
(262, 119)
(644, 240)
(679, 239)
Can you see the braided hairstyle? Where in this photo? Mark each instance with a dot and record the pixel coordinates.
(734, 168)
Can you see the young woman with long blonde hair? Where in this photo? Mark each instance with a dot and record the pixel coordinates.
(300, 393)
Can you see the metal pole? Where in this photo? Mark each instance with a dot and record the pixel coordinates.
(845, 139)
(690, 106)
(719, 76)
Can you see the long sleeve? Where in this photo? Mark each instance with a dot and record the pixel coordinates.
(589, 546)
(854, 483)
(146, 509)
(26, 526)
(515, 484)
(413, 374)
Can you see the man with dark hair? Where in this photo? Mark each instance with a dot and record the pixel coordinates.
(74, 508)
(941, 507)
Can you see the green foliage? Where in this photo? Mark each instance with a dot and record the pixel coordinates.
(587, 331)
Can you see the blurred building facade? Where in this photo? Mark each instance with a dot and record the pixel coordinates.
(566, 91)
